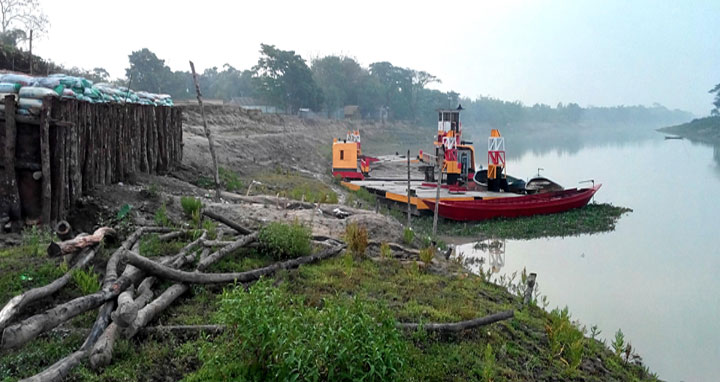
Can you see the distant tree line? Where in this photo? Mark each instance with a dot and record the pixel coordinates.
(286, 81)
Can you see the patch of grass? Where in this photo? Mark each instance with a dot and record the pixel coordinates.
(152, 246)
(295, 186)
(87, 281)
(361, 198)
(230, 180)
(276, 337)
(593, 218)
(282, 241)
(356, 237)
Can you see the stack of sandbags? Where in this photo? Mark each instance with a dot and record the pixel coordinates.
(31, 98)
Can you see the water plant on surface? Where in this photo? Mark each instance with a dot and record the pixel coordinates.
(356, 237)
(277, 337)
(285, 241)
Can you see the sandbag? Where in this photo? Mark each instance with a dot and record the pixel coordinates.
(21, 79)
(32, 105)
(7, 87)
(36, 92)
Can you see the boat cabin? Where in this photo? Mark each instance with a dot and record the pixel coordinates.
(458, 155)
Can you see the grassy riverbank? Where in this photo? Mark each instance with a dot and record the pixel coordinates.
(535, 345)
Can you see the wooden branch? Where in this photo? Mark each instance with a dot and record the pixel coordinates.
(459, 326)
(237, 227)
(237, 244)
(60, 369)
(168, 273)
(17, 303)
(24, 331)
(207, 133)
(81, 241)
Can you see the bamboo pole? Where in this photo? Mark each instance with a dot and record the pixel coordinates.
(10, 142)
(408, 189)
(45, 160)
(207, 132)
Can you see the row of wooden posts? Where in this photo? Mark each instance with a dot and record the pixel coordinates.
(73, 146)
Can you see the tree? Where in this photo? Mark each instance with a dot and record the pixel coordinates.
(100, 75)
(24, 15)
(716, 102)
(339, 79)
(148, 72)
(284, 79)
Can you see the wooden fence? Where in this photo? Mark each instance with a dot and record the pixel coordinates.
(73, 146)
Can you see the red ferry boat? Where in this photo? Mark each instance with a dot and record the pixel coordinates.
(510, 207)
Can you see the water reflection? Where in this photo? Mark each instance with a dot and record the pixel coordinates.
(486, 256)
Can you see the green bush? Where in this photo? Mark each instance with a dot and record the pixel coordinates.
(408, 235)
(356, 237)
(276, 338)
(285, 241)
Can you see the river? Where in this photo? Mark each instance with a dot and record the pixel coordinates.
(657, 275)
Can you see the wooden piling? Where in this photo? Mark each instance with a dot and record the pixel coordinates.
(13, 197)
(45, 160)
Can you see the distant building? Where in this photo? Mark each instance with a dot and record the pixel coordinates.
(352, 112)
(250, 103)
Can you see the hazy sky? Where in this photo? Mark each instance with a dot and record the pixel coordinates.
(590, 52)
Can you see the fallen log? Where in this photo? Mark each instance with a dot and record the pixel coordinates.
(408, 252)
(328, 209)
(168, 273)
(237, 227)
(459, 326)
(17, 303)
(79, 242)
(61, 368)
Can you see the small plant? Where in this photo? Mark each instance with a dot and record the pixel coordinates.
(566, 341)
(385, 250)
(161, 218)
(594, 332)
(211, 228)
(408, 235)
(488, 367)
(427, 254)
(230, 180)
(124, 211)
(618, 343)
(285, 241)
(191, 206)
(356, 237)
(153, 190)
(87, 281)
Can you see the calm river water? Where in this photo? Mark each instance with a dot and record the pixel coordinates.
(657, 275)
